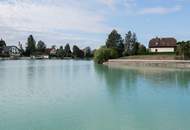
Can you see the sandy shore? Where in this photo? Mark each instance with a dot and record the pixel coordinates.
(150, 63)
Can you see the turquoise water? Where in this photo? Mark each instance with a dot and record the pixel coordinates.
(79, 95)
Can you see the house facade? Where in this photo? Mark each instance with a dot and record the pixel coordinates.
(11, 50)
(162, 45)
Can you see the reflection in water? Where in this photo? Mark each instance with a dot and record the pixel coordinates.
(81, 95)
(116, 75)
(166, 77)
(117, 79)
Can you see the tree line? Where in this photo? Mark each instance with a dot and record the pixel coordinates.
(34, 48)
(116, 47)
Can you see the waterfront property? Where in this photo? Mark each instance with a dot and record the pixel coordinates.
(38, 57)
(11, 51)
(162, 44)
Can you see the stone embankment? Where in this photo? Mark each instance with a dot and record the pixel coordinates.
(150, 63)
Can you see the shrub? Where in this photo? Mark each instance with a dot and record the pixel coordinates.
(142, 50)
(104, 54)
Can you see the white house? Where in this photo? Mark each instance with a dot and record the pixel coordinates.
(11, 50)
(162, 45)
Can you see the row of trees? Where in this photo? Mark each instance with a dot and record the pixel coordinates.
(127, 46)
(75, 53)
(116, 47)
(40, 48)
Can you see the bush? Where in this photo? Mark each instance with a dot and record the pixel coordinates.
(142, 50)
(104, 54)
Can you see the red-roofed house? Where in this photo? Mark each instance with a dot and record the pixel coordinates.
(163, 45)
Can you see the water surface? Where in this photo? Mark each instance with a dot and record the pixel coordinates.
(80, 95)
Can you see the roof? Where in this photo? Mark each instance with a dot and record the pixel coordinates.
(7, 48)
(162, 42)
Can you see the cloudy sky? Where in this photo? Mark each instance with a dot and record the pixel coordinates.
(88, 22)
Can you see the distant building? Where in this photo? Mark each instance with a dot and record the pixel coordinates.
(11, 50)
(163, 45)
(53, 51)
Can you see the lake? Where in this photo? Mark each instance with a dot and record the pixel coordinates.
(81, 95)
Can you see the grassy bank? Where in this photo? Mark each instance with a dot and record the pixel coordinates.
(168, 56)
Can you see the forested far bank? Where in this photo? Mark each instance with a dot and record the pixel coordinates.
(39, 48)
(115, 46)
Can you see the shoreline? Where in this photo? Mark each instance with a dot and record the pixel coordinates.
(180, 64)
(30, 58)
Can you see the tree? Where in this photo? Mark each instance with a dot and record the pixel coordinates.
(61, 52)
(142, 49)
(53, 46)
(120, 48)
(30, 45)
(68, 52)
(127, 43)
(87, 52)
(134, 38)
(21, 48)
(41, 46)
(2, 43)
(115, 41)
(104, 54)
(131, 44)
(77, 53)
(135, 47)
(183, 49)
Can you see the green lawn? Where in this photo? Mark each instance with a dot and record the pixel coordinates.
(170, 56)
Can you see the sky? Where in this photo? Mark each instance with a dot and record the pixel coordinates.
(88, 22)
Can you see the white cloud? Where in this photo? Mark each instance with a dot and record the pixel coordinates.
(109, 3)
(30, 16)
(160, 10)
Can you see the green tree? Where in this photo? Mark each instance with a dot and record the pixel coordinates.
(41, 46)
(115, 41)
(87, 52)
(68, 52)
(30, 45)
(2, 43)
(104, 54)
(127, 43)
(131, 44)
(142, 49)
(77, 53)
(183, 49)
(61, 52)
(135, 48)
(21, 48)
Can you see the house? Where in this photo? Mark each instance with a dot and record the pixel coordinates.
(40, 57)
(11, 50)
(162, 45)
(53, 51)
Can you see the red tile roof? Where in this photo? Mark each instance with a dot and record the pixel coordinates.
(162, 42)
